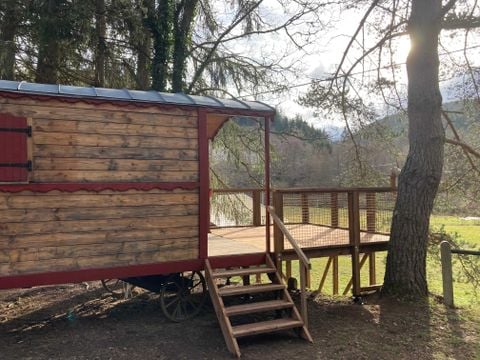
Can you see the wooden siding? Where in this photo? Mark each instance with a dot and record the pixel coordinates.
(69, 231)
(78, 142)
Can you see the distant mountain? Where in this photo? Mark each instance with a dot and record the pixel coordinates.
(335, 133)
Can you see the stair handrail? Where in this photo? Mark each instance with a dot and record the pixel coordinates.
(298, 250)
(304, 263)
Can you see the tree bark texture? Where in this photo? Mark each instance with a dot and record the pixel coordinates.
(160, 21)
(143, 61)
(101, 46)
(48, 46)
(183, 21)
(8, 29)
(420, 177)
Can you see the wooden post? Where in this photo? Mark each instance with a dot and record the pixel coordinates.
(354, 232)
(267, 184)
(349, 284)
(334, 209)
(288, 268)
(372, 269)
(305, 209)
(371, 212)
(447, 278)
(257, 213)
(325, 273)
(335, 275)
(393, 179)
(303, 297)
(277, 233)
(308, 280)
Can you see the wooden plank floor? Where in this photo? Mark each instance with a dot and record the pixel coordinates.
(245, 240)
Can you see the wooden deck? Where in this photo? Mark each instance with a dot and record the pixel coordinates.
(245, 240)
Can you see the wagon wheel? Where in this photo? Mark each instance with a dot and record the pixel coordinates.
(183, 295)
(118, 288)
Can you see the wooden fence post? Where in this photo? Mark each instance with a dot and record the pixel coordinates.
(354, 232)
(447, 278)
(305, 209)
(278, 239)
(257, 213)
(371, 211)
(334, 209)
(372, 269)
(335, 276)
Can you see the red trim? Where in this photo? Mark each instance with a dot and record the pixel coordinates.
(72, 187)
(267, 179)
(63, 277)
(204, 170)
(51, 278)
(132, 104)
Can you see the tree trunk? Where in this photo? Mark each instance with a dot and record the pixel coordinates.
(8, 29)
(420, 177)
(143, 48)
(48, 46)
(184, 16)
(160, 22)
(101, 48)
(143, 63)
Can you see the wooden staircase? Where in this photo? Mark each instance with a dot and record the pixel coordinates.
(287, 315)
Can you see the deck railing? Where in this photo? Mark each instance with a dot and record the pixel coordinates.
(352, 219)
(335, 216)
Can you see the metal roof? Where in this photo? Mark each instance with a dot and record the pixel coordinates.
(125, 95)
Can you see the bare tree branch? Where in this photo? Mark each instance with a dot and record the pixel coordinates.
(464, 146)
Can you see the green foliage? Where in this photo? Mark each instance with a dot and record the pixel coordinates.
(168, 45)
(238, 154)
(299, 128)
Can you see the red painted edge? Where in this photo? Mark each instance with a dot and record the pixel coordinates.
(72, 187)
(267, 180)
(63, 277)
(132, 104)
(204, 170)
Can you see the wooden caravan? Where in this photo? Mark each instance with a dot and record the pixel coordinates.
(106, 183)
(98, 183)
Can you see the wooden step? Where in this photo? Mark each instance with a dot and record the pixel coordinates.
(265, 327)
(249, 289)
(255, 307)
(242, 272)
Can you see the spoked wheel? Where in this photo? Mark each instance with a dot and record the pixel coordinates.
(118, 288)
(183, 295)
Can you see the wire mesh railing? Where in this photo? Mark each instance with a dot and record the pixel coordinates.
(334, 217)
(376, 211)
(314, 217)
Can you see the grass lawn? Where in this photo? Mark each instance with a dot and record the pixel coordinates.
(468, 230)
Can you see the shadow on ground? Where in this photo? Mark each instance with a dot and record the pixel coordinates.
(71, 322)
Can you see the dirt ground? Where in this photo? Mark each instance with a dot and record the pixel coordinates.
(76, 322)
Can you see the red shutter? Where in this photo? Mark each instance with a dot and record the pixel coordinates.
(13, 149)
